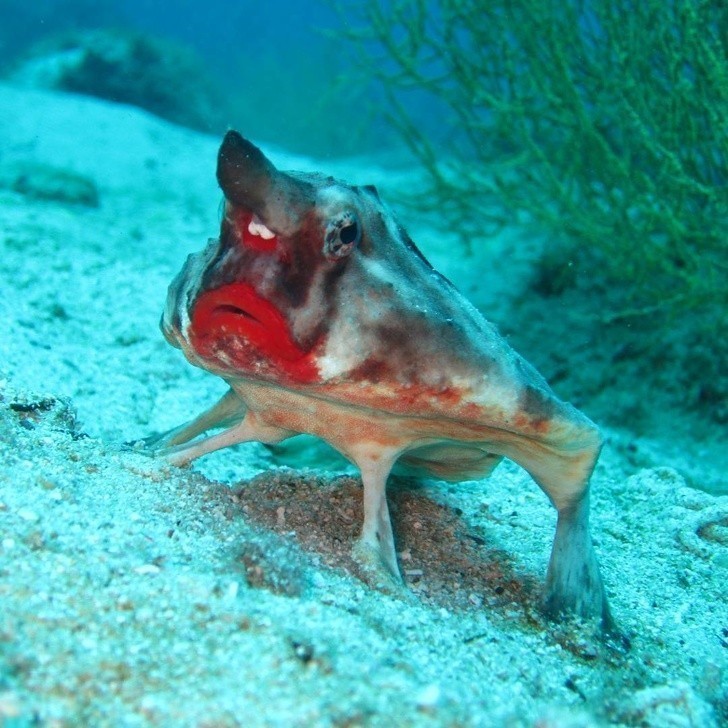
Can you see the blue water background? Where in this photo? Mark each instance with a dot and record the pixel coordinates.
(287, 63)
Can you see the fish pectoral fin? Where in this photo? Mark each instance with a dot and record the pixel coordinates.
(179, 446)
(374, 550)
(574, 584)
(376, 566)
(249, 430)
(228, 411)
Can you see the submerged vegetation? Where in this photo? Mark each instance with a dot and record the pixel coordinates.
(604, 120)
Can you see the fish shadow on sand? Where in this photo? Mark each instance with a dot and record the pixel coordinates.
(446, 561)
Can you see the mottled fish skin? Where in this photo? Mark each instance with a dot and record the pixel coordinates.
(324, 317)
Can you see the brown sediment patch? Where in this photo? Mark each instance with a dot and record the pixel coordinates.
(445, 560)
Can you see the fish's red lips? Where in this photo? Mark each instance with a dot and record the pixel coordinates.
(237, 313)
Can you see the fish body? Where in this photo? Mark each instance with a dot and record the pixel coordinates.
(324, 318)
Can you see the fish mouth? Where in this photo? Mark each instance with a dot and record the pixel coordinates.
(231, 309)
(236, 315)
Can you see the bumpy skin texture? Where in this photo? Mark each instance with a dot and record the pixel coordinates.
(324, 318)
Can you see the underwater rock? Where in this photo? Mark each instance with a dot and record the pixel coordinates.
(126, 67)
(57, 413)
(44, 182)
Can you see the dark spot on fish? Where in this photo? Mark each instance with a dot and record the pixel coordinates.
(303, 258)
(370, 370)
(536, 403)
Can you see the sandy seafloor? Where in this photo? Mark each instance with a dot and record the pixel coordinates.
(133, 593)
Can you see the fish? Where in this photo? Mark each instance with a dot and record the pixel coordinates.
(323, 317)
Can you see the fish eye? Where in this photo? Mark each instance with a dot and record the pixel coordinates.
(349, 233)
(342, 234)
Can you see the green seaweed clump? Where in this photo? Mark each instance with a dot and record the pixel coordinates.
(603, 121)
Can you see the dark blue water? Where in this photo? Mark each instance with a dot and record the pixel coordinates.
(220, 31)
(283, 71)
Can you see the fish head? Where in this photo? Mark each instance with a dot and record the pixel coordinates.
(310, 281)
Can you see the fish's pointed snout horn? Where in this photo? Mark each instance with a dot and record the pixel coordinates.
(244, 173)
(250, 180)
